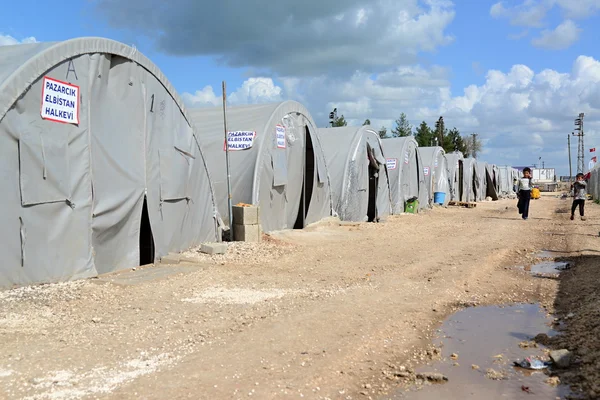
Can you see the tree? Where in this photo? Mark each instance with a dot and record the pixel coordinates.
(383, 132)
(473, 145)
(453, 141)
(440, 131)
(339, 121)
(403, 127)
(423, 135)
(367, 122)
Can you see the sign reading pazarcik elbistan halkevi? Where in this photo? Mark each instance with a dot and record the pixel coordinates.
(60, 101)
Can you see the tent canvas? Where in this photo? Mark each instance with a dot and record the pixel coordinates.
(405, 171)
(491, 186)
(471, 181)
(283, 171)
(435, 169)
(357, 169)
(482, 180)
(506, 178)
(455, 174)
(121, 182)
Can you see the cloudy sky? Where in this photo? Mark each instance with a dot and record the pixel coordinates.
(517, 71)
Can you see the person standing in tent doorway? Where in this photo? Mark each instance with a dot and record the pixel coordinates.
(579, 195)
(524, 193)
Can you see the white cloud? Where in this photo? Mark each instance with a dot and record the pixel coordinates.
(560, 38)
(201, 98)
(288, 37)
(530, 13)
(252, 91)
(7, 40)
(579, 8)
(256, 90)
(533, 13)
(520, 114)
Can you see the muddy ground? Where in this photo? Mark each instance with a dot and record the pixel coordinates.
(331, 312)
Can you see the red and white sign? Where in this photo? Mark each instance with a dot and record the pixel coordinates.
(60, 101)
(593, 150)
(280, 133)
(426, 171)
(392, 163)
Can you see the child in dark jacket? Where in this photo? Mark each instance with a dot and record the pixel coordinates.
(579, 196)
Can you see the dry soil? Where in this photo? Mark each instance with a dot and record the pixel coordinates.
(331, 312)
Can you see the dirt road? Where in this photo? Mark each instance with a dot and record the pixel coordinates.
(323, 313)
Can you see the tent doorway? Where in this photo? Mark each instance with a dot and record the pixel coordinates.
(373, 185)
(146, 237)
(308, 180)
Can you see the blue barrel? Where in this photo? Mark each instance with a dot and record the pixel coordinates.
(439, 197)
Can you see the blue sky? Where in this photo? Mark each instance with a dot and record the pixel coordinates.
(426, 53)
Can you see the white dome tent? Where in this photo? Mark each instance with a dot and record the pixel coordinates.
(471, 181)
(455, 173)
(405, 172)
(357, 169)
(436, 173)
(117, 182)
(282, 169)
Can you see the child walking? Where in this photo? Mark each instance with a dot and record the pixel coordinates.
(524, 193)
(579, 194)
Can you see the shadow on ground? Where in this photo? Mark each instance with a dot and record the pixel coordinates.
(578, 305)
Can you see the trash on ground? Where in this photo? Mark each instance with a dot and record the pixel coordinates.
(532, 363)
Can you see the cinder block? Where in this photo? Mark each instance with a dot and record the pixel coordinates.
(170, 259)
(245, 215)
(214, 248)
(247, 233)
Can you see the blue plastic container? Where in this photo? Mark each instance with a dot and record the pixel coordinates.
(439, 197)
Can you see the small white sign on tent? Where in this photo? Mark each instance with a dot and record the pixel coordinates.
(392, 163)
(60, 101)
(239, 140)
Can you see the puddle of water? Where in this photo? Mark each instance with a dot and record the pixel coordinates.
(489, 337)
(549, 269)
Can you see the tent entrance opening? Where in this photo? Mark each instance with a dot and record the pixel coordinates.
(146, 237)
(308, 180)
(373, 185)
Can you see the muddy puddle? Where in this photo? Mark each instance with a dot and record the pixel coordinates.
(479, 346)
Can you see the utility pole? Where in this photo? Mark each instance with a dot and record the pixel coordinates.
(570, 168)
(473, 149)
(580, 147)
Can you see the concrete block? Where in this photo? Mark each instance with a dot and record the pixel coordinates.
(171, 259)
(247, 233)
(213, 248)
(245, 215)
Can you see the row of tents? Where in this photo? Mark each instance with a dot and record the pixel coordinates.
(112, 171)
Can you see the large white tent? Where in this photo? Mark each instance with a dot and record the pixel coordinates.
(455, 174)
(357, 169)
(405, 171)
(276, 158)
(471, 182)
(105, 174)
(437, 175)
(506, 181)
(491, 180)
(481, 180)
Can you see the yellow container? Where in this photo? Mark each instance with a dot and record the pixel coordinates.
(535, 193)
